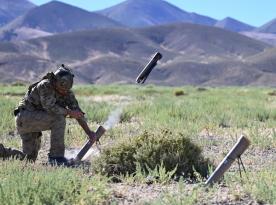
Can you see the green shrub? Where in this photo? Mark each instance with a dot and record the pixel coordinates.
(126, 116)
(179, 92)
(150, 150)
(263, 116)
(272, 93)
(201, 89)
(223, 121)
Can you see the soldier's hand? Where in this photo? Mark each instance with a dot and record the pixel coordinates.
(75, 114)
(92, 136)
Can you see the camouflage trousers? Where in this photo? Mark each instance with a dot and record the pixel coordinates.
(29, 125)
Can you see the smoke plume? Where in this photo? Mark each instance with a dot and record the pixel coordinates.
(113, 118)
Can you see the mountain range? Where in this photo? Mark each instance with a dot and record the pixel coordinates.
(57, 17)
(203, 56)
(233, 25)
(113, 45)
(54, 17)
(269, 27)
(141, 13)
(10, 9)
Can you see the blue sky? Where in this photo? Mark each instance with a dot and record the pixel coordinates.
(253, 12)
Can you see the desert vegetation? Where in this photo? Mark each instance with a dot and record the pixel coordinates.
(166, 143)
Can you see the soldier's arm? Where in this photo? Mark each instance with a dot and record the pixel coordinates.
(74, 105)
(85, 127)
(73, 102)
(48, 99)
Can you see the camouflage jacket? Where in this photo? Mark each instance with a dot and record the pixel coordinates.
(43, 96)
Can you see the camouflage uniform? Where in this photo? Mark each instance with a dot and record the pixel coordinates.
(43, 108)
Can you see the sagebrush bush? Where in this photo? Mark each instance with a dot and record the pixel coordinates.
(263, 115)
(179, 92)
(151, 149)
(201, 89)
(272, 93)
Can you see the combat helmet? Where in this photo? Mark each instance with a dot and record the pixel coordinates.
(64, 77)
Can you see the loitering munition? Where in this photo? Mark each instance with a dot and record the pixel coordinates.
(100, 131)
(235, 153)
(148, 68)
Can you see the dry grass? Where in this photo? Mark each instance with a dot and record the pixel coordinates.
(213, 120)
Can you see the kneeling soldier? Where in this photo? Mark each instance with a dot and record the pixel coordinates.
(44, 107)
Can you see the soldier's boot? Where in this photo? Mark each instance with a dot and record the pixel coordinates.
(60, 161)
(9, 153)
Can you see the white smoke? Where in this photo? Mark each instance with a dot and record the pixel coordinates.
(73, 152)
(113, 118)
(94, 151)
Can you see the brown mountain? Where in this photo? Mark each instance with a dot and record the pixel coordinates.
(192, 54)
(233, 25)
(141, 13)
(269, 27)
(269, 38)
(191, 39)
(55, 17)
(10, 9)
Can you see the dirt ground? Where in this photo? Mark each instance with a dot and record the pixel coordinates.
(123, 193)
(254, 159)
(146, 194)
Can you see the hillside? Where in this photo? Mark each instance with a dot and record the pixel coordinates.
(197, 40)
(10, 9)
(269, 27)
(265, 60)
(233, 25)
(140, 13)
(192, 54)
(268, 38)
